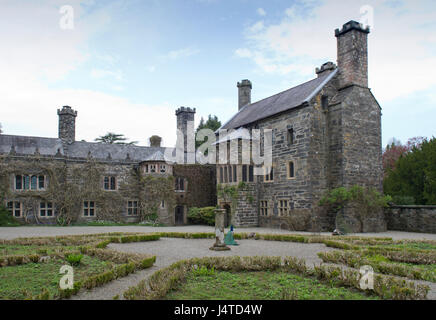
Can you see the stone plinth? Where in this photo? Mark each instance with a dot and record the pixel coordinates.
(219, 244)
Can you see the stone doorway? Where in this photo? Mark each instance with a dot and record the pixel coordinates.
(179, 216)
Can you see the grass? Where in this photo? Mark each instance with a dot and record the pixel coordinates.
(276, 285)
(6, 250)
(412, 246)
(23, 281)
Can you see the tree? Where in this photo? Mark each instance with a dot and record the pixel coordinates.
(366, 202)
(212, 123)
(1, 129)
(414, 174)
(114, 138)
(396, 149)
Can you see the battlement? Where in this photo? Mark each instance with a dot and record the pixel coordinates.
(351, 25)
(245, 83)
(67, 110)
(185, 110)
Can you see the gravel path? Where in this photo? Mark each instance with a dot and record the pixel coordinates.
(169, 251)
(17, 232)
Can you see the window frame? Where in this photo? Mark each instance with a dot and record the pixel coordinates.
(111, 181)
(283, 209)
(89, 208)
(46, 210)
(268, 178)
(264, 209)
(290, 136)
(288, 170)
(14, 209)
(132, 208)
(27, 180)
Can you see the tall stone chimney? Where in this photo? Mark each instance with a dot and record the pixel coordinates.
(67, 124)
(185, 126)
(155, 141)
(244, 93)
(353, 54)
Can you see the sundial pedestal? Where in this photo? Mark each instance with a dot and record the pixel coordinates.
(219, 244)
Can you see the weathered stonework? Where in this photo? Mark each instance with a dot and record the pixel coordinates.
(139, 185)
(336, 141)
(411, 218)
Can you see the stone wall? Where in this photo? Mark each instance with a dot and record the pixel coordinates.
(246, 212)
(411, 218)
(200, 185)
(70, 182)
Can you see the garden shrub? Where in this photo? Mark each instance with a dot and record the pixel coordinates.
(74, 259)
(204, 216)
(6, 219)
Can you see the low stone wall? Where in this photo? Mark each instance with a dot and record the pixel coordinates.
(411, 218)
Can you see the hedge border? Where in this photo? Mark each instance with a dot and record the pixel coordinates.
(163, 281)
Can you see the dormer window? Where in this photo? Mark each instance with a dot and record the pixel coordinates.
(163, 168)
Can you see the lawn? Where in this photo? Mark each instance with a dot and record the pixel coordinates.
(29, 267)
(6, 250)
(27, 280)
(275, 285)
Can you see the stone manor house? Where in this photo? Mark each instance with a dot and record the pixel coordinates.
(46, 178)
(326, 133)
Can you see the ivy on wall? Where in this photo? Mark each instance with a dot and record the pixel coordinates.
(70, 184)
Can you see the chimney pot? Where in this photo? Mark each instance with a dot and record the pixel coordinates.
(244, 93)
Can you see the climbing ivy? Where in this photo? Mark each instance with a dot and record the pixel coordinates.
(69, 185)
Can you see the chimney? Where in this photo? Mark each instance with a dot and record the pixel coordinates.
(353, 54)
(67, 124)
(155, 141)
(325, 69)
(244, 93)
(185, 125)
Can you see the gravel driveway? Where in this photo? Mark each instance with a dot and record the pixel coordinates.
(17, 232)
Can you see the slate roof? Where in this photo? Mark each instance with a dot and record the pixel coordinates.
(28, 145)
(286, 100)
(79, 149)
(157, 156)
(237, 134)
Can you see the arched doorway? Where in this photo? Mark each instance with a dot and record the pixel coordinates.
(179, 216)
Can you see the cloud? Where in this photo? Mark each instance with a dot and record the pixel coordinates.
(100, 74)
(261, 12)
(181, 53)
(257, 27)
(401, 44)
(37, 54)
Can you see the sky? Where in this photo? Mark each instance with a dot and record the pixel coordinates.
(126, 66)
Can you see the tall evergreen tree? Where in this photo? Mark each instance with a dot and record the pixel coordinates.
(114, 138)
(414, 174)
(212, 123)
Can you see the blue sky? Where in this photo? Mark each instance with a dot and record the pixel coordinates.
(127, 65)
